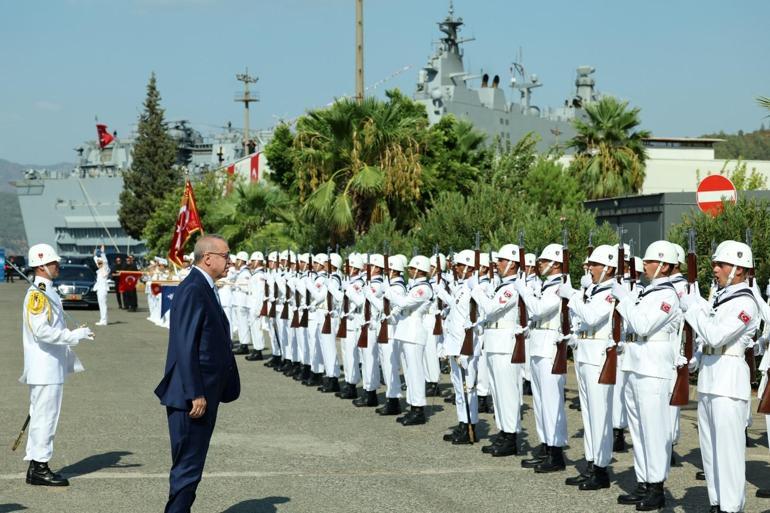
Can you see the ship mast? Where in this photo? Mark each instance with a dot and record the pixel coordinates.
(246, 98)
(360, 51)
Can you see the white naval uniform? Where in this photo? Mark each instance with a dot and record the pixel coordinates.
(409, 311)
(258, 325)
(430, 356)
(595, 329)
(649, 361)
(500, 314)
(326, 342)
(48, 358)
(241, 305)
(390, 352)
(547, 388)
(536, 284)
(680, 284)
(313, 330)
(482, 384)
(369, 355)
(102, 287)
(724, 390)
(280, 281)
(351, 357)
(226, 297)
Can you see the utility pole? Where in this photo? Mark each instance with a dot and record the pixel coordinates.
(246, 97)
(359, 51)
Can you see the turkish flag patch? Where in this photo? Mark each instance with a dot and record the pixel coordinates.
(419, 292)
(356, 287)
(508, 294)
(744, 317)
(665, 307)
(318, 285)
(609, 298)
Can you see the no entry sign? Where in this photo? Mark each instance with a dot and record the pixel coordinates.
(711, 191)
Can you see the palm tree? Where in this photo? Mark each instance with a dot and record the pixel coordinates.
(764, 101)
(610, 154)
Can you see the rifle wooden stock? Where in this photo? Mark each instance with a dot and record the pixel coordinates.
(295, 316)
(681, 393)
(326, 329)
(342, 329)
(519, 349)
(382, 335)
(303, 322)
(560, 360)
(764, 402)
(287, 293)
(363, 337)
(610, 368)
(266, 303)
(467, 347)
(271, 314)
(438, 328)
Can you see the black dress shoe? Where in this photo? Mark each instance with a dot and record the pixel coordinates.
(347, 392)
(619, 441)
(507, 447)
(391, 407)
(538, 456)
(763, 493)
(332, 385)
(324, 384)
(599, 479)
(450, 399)
(526, 388)
(241, 349)
(715, 509)
(255, 356)
(553, 463)
(636, 496)
(582, 477)
(495, 441)
(655, 498)
(368, 398)
(415, 417)
(315, 379)
(39, 474)
(448, 437)
(431, 390)
(464, 436)
(700, 475)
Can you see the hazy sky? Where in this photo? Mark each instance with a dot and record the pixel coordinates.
(692, 66)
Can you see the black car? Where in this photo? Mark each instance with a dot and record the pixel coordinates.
(20, 262)
(75, 286)
(87, 261)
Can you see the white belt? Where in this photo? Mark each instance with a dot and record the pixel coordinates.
(502, 325)
(546, 325)
(732, 350)
(633, 337)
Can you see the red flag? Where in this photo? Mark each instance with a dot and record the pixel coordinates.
(187, 223)
(127, 280)
(155, 288)
(105, 137)
(254, 171)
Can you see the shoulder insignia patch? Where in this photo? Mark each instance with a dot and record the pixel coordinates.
(508, 294)
(419, 292)
(609, 298)
(41, 286)
(37, 303)
(665, 307)
(744, 317)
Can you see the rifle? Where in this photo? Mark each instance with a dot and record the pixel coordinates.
(295, 321)
(382, 335)
(519, 350)
(342, 330)
(590, 249)
(749, 353)
(632, 267)
(266, 303)
(560, 360)
(287, 292)
(610, 368)
(306, 312)
(681, 394)
(467, 347)
(363, 338)
(326, 329)
(438, 328)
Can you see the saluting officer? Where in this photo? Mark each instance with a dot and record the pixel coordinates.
(48, 358)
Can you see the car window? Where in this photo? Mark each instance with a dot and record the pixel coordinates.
(76, 273)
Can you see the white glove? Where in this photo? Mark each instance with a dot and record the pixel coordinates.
(586, 281)
(519, 330)
(441, 351)
(566, 291)
(463, 362)
(572, 340)
(621, 347)
(382, 290)
(610, 344)
(680, 361)
(694, 362)
(519, 284)
(761, 345)
(687, 301)
(334, 314)
(619, 290)
(82, 334)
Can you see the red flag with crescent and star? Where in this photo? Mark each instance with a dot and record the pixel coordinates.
(128, 280)
(105, 138)
(187, 223)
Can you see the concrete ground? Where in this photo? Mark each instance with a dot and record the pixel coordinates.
(283, 447)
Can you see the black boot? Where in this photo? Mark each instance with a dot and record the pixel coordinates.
(391, 407)
(287, 368)
(39, 474)
(273, 361)
(459, 427)
(538, 456)
(348, 392)
(655, 499)
(507, 447)
(763, 493)
(255, 356)
(553, 463)
(527, 388)
(599, 479)
(368, 398)
(495, 441)
(431, 389)
(241, 349)
(619, 442)
(450, 399)
(582, 477)
(279, 364)
(482, 402)
(415, 417)
(464, 437)
(325, 384)
(315, 379)
(636, 496)
(700, 475)
(302, 373)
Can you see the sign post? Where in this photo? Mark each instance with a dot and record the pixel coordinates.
(711, 191)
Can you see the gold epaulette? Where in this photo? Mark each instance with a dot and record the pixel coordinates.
(37, 302)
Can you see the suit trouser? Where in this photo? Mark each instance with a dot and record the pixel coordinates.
(646, 401)
(389, 360)
(44, 410)
(460, 390)
(505, 385)
(548, 401)
(189, 445)
(596, 407)
(721, 425)
(228, 309)
(370, 363)
(351, 356)
(414, 372)
(101, 297)
(619, 413)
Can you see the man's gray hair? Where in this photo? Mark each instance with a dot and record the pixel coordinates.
(206, 244)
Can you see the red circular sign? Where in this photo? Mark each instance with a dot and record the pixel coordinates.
(711, 191)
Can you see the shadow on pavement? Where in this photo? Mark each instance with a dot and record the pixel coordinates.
(98, 462)
(8, 508)
(266, 505)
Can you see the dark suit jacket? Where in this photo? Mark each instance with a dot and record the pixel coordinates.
(200, 360)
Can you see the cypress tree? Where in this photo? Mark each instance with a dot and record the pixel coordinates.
(153, 173)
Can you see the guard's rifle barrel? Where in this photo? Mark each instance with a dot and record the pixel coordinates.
(466, 390)
(560, 360)
(306, 312)
(266, 303)
(363, 337)
(519, 349)
(286, 288)
(749, 353)
(590, 250)
(681, 393)
(438, 328)
(382, 335)
(467, 347)
(610, 368)
(297, 298)
(326, 329)
(342, 329)
(274, 305)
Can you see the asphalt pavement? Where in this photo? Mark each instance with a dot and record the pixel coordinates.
(283, 447)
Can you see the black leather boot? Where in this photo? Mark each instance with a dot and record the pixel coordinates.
(368, 399)
(331, 385)
(302, 373)
(553, 463)
(763, 493)
(431, 390)
(254, 356)
(415, 417)
(527, 388)
(347, 392)
(619, 441)
(582, 477)
(463, 436)
(538, 456)
(279, 365)
(450, 399)
(315, 379)
(507, 447)
(599, 479)
(495, 440)
(273, 361)
(482, 402)
(635, 496)
(38, 473)
(655, 499)
(700, 475)
(391, 407)
(448, 437)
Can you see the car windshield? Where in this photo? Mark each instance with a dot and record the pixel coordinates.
(76, 273)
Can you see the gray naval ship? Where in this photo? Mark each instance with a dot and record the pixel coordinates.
(443, 88)
(78, 210)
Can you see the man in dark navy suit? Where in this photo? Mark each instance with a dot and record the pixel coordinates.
(200, 369)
